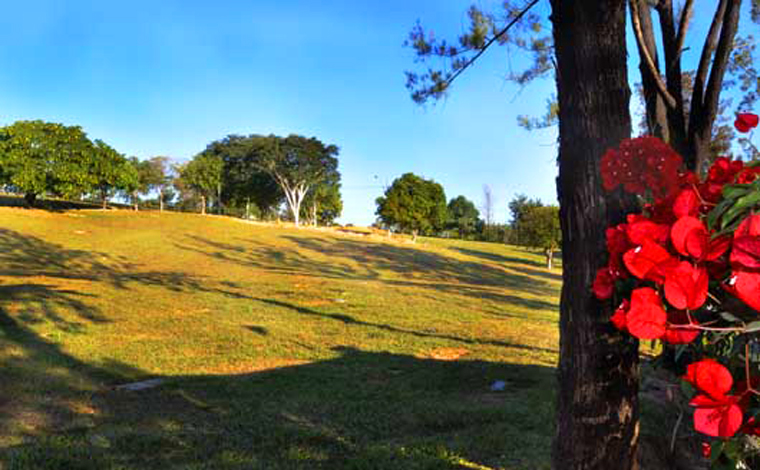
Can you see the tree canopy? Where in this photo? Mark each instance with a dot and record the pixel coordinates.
(204, 175)
(539, 228)
(413, 204)
(38, 157)
(462, 216)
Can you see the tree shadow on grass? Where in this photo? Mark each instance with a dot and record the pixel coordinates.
(349, 320)
(363, 260)
(527, 266)
(23, 256)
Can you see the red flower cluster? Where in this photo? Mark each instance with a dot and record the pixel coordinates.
(661, 263)
(717, 414)
(640, 164)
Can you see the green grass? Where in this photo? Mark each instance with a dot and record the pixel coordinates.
(281, 348)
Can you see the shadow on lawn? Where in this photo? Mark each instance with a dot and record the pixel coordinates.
(362, 260)
(349, 320)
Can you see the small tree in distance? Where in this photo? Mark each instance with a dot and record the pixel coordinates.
(463, 216)
(540, 229)
(414, 205)
(203, 174)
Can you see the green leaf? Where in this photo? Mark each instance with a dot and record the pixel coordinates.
(734, 191)
(752, 327)
(742, 204)
(687, 389)
(717, 211)
(716, 449)
(729, 317)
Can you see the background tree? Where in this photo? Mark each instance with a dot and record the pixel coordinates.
(37, 157)
(158, 177)
(297, 164)
(243, 180)
(413, 204)
(519, 207)
(540, 229)
(111, 172)
(488, 212)
(462, 216)
(323, 203)
(204, 175)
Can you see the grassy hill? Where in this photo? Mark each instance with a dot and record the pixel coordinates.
(279, 348)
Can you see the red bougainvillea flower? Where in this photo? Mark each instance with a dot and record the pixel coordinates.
(717, 417)
(646, 319)
(686, 203)
(710, 377)
(747, 175)
(678, 330)
(649, 261)
(620, 316)
(746, 286)
(686, 286)
(706, 450)
(745, 122)
(690, 238)
(718, 414)
(604, 284)
(746, 247)
(640, 229)
(640, 164)
(724, 170)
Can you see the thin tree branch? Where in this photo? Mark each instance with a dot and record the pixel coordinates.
(683, 25)
(722, 55)
(498, 36)
(670, 101)
(711, 42)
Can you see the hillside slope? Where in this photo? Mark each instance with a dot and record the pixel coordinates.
(280, 348)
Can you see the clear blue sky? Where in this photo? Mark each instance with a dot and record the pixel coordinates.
(167, 77)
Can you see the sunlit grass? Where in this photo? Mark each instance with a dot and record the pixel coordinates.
(281, 348)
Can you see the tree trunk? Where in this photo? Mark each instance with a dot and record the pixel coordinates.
(656, 110)
(135, 201)
(160, 200)
(30, 199)
(549, 258)
(104, 198)
(598, 372)
(414, 236)
(203, 204)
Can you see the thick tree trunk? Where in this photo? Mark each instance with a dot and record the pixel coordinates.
(598, 372)
(104, 198)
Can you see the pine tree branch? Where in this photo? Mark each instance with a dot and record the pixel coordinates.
(490, 42)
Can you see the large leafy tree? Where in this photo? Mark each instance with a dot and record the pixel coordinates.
(413, 204)
(203, 174)
(540, 229)
(38, 157)
(297, 164)
(111, 172)
(243, 179)
(462, 216)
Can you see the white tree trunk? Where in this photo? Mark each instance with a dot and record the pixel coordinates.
(160, 200)
(203, 204)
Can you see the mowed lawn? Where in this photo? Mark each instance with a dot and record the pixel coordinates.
(279, 348)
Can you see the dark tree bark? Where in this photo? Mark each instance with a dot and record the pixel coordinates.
(597, 404)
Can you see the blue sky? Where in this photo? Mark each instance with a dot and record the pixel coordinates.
(168, 77)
